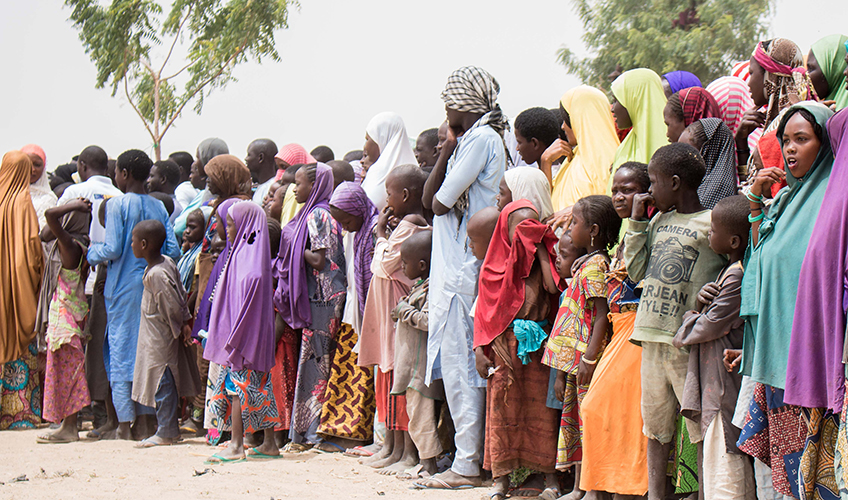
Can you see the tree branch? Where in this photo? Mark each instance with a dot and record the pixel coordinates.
(147, 66)
(143, 120)
(177, 73)
(176, 38)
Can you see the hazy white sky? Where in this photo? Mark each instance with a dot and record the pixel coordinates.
(343, 61)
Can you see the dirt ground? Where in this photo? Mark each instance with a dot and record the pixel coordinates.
(115, 469)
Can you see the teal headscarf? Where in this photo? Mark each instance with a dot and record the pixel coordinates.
(830, 54)
(770, 284)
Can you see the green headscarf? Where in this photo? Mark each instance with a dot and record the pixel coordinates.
(830, 54)
(770, 284)
(640, 92)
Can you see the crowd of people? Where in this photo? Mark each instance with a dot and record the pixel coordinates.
(642, 296)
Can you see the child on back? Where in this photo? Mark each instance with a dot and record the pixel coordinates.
(711, 391)
(162, 360)
(192, 245)
(516, 293)
(65, 386)
(404, 187)
(670, 254)
(581, 328)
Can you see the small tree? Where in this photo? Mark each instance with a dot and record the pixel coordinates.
(216, 35)
(701, 36)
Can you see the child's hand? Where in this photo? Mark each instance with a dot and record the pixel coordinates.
(641, 202)
(559, 220)
(708, 293)
(732, 358)
(751, 120)
(79, 205)
(559, 386)
(765, 179)
(584, 373)
(186, 334)
(482, 363)
(383, 222)
(558, 149)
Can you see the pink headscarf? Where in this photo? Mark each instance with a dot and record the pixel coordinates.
(293, 154)
(35, 149)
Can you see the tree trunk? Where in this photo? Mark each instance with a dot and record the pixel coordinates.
(157, 145)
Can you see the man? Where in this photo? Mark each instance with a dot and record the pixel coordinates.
(186, 191)
(426, 151)
(323, 154)
(263, 168)
(466, 179)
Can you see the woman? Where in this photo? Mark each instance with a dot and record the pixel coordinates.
(685, 107)
(713, 139)
(386, 147)
(291, 154)
(733, 98)
(826, 65)
(591, 146)
(21, 265)
(770, 287)
(639, 102)
(206, 150)
(676, 81)
(39, 187)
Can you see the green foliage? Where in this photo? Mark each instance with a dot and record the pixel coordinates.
(635, 33)
(215, 35)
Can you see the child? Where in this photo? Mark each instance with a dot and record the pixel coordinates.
(526, 183)
(163, 363)
(192, 244)
(342, 172)
(164, 178)
(513, 307)
(426, 149)
(580, 331)
(65, 386)
(535, 130)
(411, 353)
(124, 286)
(671, 254)
(290, 206)
(711, 391)
(241, 336)
(404, 186)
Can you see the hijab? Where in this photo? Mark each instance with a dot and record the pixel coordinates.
(733, 98)
(697, 103)
(830, 54)
(350, 198)
(210, 148)
(204, 309)
(679, 80)
(719, 153)
(241, 325)
(388, 131)
(588, 171)
(292, 294)
(294, 154)
(529, 183)
(42, 195)
(640, 92)
(230, 175)
(815, 376)
(770, 284)
(508, 263)
(21, 257)
(783, 64)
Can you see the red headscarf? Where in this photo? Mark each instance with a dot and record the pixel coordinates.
(508, 263)
(697, 103)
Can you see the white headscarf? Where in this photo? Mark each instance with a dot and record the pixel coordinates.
(388, 131)
(529, 183)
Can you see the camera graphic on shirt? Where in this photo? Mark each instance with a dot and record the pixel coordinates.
(672, 262)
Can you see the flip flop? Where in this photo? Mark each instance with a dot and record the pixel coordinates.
(217, 459)
(256, 455)
(338, 448)
(147, 443)
(296, 448)
(549, 494)
(358, 452)
(442, 485)
(50, 440)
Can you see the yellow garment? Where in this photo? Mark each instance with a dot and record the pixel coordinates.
(640, 92)
(589, 170)
(290, 206)
(21, 257)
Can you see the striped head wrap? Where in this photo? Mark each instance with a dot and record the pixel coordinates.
(783, 63)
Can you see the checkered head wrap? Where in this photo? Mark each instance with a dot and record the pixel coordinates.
(473, 90)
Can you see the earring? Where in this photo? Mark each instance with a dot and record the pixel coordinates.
(593, 240)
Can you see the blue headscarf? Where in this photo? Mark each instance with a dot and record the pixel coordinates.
(679, 80)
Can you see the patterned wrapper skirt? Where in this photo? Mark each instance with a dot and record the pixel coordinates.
(253, 388)
(65, 387)
(284, 373)
(20, 392)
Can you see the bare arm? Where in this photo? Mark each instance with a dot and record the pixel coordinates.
(596, 340)
(70, 251)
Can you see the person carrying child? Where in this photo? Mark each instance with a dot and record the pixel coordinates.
(192, 245)
(165, 367)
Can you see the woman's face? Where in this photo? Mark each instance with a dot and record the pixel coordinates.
(370, 152)
(37, 167)
(566, 129)
(756, 83)
(302, 186)
(504, 195)
(816, 75)
(622, 117)
(673, 123)
(800, 145)
(232, 230)
(213, 188)
(624, 188)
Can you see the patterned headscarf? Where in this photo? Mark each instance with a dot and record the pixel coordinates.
(350, 198)
(697, 103)
(733, 98)
(719, 153)
(783, 63)
(473, 90)
(293, 154)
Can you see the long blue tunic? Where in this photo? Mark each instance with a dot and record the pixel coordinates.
(125, 272)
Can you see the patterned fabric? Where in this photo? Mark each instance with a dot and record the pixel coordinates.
(697, 103)
(570, 442)
(841, 453)
(20, 392)
(685, 476)
(68, 309)
(733, 98)
(349, 408)
(817, 475)
(474, 90)
(573, 325)
(391, 408)
(284, 373)
(783, 63)
(324, 233)
(774, 433)
(65, 387)
(621, 291)
(719, 153)
(253, 388)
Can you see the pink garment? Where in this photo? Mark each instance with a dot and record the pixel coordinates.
(293, 154)
(388, 286)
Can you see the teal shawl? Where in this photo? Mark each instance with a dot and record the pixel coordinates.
(773, 267)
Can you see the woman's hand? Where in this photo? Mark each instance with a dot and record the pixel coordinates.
(585, 372)
(559, 386)
(559, 220)
(751, 120)
(765, 179)
(641, 202)
(482, 362)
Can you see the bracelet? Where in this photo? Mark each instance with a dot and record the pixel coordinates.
(758, 218)
(589, 362)
(752, 197)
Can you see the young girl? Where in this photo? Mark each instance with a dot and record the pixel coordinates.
(614, 448)
(241, 335)
(581, 327)
(65, 386)
(310, 295)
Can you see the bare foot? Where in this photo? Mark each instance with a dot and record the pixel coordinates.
(364, 451)
(123, 432)
(155, 440)
(269, 449)
(106, 431)
(233, 451)
(395, 469)
(576, 494)
(384, 452)
(551, 491)
(499, 490)
(66, 433)
(449, 480)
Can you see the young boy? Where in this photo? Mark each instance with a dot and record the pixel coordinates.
(535, 130)
(426, 149)
(164, 178)
(411, 352)
(670, 254)
(162, 361)
(711, 391)
(342, 172)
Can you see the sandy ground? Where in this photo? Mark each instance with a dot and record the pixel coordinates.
(114, 469)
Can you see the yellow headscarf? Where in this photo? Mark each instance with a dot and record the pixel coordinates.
(588, 172)
(640, 92)
(21, 257)
(290, 206)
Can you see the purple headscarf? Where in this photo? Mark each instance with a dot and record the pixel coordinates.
(241, 326)
(679, 80)
(205, 307)
(350, 198)
(292, 295)
(815, 375)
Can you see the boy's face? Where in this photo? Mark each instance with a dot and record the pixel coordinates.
(721, 241)
(662, 189)
(411, 268)
(155, 181)
(478, 244)
(138, 245)
(195, 224)
(624, 188)
(425, 153)
(121, 179)
(528, 149)
(395, 195)
(504, 195)
(196, 176)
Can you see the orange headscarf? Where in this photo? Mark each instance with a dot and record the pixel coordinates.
(21, 257)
